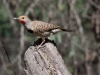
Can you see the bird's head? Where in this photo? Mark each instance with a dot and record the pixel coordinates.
(23, 19)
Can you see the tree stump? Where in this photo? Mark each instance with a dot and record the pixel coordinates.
(44, 61)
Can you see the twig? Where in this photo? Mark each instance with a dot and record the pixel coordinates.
(9, 12)
(31, 6)
(7, 54)
(94, 4)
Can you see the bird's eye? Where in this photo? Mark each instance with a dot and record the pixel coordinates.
(23, 18)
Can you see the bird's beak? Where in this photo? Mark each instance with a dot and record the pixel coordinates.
(15, 18)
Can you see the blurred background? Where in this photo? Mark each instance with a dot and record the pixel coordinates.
(80, 49)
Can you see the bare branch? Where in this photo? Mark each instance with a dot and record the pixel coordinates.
(94, 4)
(30, 8)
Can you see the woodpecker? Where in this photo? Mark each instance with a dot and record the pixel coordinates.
(39, 28)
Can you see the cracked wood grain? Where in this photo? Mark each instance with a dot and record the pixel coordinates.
(45, 61)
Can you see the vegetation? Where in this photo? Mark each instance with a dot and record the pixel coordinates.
(80, 49)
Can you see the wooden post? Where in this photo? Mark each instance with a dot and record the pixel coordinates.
(44, 61)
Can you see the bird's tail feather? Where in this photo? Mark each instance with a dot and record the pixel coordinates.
(67, 30)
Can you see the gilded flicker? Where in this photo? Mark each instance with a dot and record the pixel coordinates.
(39, 28)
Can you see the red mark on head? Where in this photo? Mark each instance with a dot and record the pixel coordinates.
(22, 21)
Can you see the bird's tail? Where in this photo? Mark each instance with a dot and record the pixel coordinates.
(67, 30)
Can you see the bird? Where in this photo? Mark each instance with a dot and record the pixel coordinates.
(39, 28)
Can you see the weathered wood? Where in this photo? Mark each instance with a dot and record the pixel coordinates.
(44, 61)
